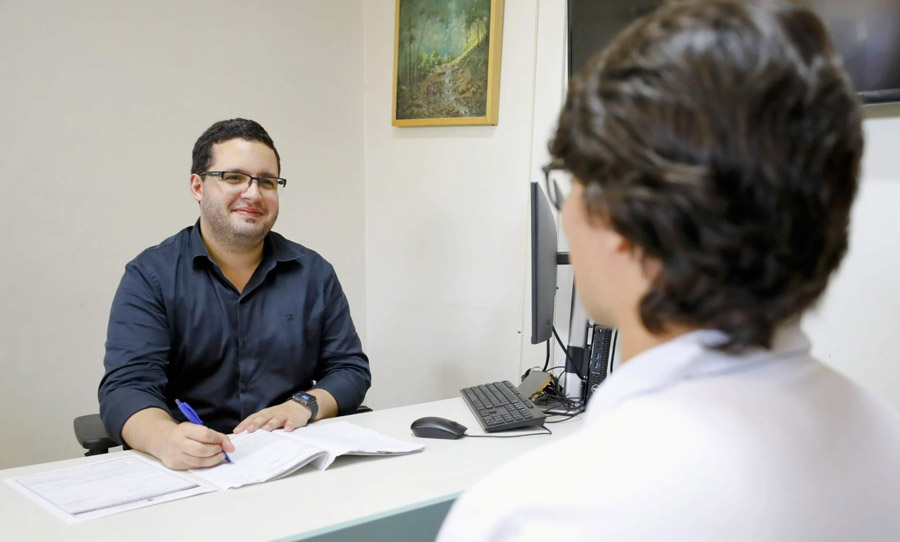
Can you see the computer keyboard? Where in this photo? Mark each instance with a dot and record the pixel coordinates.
(500, 407)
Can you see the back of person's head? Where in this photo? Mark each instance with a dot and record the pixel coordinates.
(721, 139)
(225, 130)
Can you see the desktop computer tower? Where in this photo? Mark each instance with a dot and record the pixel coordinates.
(600, 361)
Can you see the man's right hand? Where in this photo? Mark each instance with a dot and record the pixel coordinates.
(179, 446)
(191, 446)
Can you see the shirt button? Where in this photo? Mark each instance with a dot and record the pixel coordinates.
(243, 387)
(243, 343)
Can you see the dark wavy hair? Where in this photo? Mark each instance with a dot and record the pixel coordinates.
(225, 130)
(723, 140)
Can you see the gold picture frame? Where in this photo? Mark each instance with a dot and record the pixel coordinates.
(447, 62)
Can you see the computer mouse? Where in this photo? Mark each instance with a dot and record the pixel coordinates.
(434, 427)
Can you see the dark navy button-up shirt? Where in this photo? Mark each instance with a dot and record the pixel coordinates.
(178, 329)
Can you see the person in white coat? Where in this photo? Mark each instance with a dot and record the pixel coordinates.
(715, 149)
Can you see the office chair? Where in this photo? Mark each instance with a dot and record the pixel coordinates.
(92, 436)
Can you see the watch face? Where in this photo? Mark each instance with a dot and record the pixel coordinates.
(304, 397)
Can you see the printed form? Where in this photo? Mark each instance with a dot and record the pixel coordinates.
(106, 487)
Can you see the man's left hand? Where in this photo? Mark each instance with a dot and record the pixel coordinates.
(289, 414)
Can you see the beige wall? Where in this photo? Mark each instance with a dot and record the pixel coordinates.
(103, 101)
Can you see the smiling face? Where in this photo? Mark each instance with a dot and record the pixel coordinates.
(237, 217)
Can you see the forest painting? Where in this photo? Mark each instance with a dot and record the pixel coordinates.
(447, 62)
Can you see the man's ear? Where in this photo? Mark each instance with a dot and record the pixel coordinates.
(196, 183)
(614, 241)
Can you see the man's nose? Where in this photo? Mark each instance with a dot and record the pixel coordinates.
(252, 189)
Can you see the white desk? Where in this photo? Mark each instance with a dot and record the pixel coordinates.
(306, 505)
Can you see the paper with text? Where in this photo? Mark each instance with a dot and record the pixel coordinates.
(341, 438)
(106, 487)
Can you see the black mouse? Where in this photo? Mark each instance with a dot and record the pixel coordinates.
(433, 427)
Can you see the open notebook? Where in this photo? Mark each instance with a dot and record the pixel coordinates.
(263, 455)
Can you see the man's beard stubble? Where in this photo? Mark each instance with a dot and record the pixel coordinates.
(235, 239)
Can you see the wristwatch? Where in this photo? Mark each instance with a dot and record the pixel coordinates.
(309, 401)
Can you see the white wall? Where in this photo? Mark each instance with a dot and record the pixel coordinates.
(446, 228)
(103, 101)
(855, 327)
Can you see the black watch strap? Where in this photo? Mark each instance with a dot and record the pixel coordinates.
(309, 401)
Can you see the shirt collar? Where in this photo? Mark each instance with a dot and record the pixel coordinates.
(198, 248)
(279, 248)
(689, 356)
(275, 247)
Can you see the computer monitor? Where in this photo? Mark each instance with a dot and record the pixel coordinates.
(543, 266)
(866, 33)
(544, 260)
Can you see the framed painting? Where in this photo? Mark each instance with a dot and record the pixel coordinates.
(447, 62)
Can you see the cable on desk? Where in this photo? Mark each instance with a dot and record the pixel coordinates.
(547, 358)
(561, 345)
(566, 417)
(546, 431)
(554, 396)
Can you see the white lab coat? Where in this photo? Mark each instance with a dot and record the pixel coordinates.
(687, 443)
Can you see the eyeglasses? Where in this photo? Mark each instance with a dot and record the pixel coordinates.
(233, 178)
(559, 187)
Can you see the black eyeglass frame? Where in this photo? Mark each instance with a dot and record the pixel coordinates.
(279, 181)
(554, 192)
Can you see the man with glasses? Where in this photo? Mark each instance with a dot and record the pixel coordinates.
(250, 329)
(715, 149)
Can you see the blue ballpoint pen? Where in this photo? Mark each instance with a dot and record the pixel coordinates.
(193, 418)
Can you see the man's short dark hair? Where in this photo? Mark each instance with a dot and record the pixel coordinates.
(225, 130)
(723, 140)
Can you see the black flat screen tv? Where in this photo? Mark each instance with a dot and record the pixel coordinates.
(865, 32)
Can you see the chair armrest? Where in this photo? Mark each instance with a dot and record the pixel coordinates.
(92, 435)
